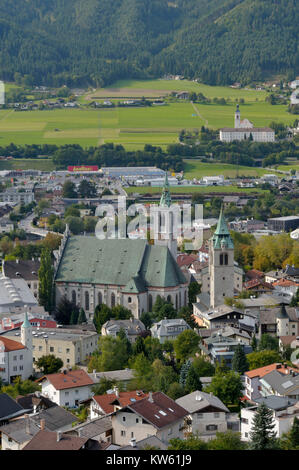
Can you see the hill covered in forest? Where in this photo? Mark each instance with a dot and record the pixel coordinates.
(96, 42)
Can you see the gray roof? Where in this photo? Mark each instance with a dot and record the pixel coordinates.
(117, 375)
(276, 403)
(132, 327)
(92, 429)
(55, 418)
(22, 430)
(282, 384)
(121, 262)
(152, 441)
(198, 401)
(161, 328)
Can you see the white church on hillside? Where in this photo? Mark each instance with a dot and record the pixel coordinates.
(244, 130)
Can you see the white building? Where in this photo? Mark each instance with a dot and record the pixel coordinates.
(16, 357)
(169, 329)
(284, 411)
(68, 388)
(244, 130)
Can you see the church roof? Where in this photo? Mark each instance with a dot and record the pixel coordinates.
(222, 234)
(132, 264)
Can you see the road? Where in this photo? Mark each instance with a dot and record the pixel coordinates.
(26, 224)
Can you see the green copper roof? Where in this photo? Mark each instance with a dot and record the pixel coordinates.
(165, 200)
(222, 237)
(132, 264)
(26, 323)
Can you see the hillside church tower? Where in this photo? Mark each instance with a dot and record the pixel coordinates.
(221, 266)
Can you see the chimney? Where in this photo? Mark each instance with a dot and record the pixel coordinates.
(58, 435)
(27, 424)
(150, 397)
(42, 424)
(116, 391)
(17, 261)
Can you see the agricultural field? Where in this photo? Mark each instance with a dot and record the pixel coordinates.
(193, 190)
(135, 127)
(197, 169)
(42, 164)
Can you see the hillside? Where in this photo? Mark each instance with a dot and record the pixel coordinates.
(98, 41)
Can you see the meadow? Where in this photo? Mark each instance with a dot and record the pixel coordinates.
(135, 127)
(197, 169)
(193, 190)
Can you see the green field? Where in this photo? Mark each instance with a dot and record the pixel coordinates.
(41, 164)
(135, 127)
(193, 189)
(197, 169)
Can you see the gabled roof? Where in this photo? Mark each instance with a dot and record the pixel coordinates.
(55, 418)
(198, 401)
(109, 400)
(261, 371)
(69, 379)
(161, 411)
(10, 344)
(47, 440)
(9, 407)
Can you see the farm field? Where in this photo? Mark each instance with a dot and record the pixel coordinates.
(197, 169)
(135, 127)
(41, 164)
(193, 189)
(154, 88)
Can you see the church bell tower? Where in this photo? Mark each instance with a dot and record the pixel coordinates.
(237, 118)
(221, 266)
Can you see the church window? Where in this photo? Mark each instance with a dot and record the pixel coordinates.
(226, 259)
(74, 297)
(87, 300)
(185, 298)
(176, 302)
(112, 300)
(169, 298)
(221, 259)
(150, 302)
(100, 299)
(129, 300)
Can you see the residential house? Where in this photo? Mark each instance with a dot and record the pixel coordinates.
(158, 415)
(207, 414)
(132, 328)
(51, 440)
(113, 400)
(15, 360)
(9, 409)
(6, 225)
(284, 411)
(218, 348)
(253, 378)
(149, 442)
(169, 329)
(276, 383)
(122, 377)
(68, 388)
(223, 316)
(24, 269)
(99, 429)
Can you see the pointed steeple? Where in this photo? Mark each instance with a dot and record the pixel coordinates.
(282, 313)
(222, 235)
(165, 200)
(26, 323)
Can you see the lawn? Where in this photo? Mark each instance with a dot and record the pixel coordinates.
(197, 169)
(42, 164)
(193, 189)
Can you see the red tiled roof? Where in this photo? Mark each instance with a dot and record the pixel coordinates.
(254, 274)
(161, 412)
(186, 260)
(10, 344)
(73, 378)
(257, 283)
(47, 440)
(261, 371)
(285, 282)
(108, 400)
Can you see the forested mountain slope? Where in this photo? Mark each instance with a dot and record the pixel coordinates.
(81, 42)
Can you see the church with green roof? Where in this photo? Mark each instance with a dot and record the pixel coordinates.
(127, 272)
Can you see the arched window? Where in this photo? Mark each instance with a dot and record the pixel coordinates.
(180, 300)
(169, 298)
(129, 300)
(74, 297)
(226, 259)
(150, 303)
(221, 259)
(176, 302)
(100, 298)
(185, 298)
(86, 300)
(112, 300)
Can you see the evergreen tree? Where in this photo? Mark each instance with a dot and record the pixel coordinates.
(74, 317)
(192, 382)
(294, 434)
(263, 436)
(239, 362)
(82, 317)
(253, 343)
(184, 372)
(45, 277)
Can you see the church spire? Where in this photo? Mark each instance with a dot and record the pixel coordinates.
(165, 200)
(222, 235)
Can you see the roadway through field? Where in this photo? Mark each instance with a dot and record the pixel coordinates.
(198, 114)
